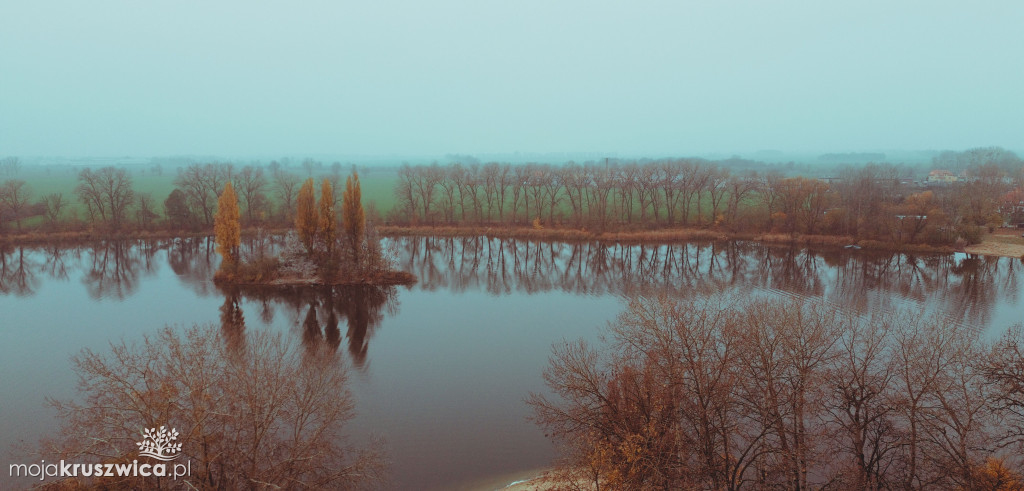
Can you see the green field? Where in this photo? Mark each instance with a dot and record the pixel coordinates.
(377, 186)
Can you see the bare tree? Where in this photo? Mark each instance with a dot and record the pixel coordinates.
(701, 394)
(1003, 368)
(863, 403)
(553, 190)
(54, 205)
(14, 198)
(286, 185)
(647, 191)
(251, 412)
(107, 194)
(405, 189)
(490, 173)
(426, 185)
(717, 186)
(145, 210)
(575, 181)
(10, 165)
(628, 187)
(467, 180)
(252, 189)
(505, 180)
(201, 185)
(520, 181)
(740, 189)
(448, 189)
(598, 199)
(790, 346)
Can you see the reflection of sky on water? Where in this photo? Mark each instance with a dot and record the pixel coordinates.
(444, 365)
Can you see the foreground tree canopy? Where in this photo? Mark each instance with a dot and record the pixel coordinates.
(251, 413)
(723, 393)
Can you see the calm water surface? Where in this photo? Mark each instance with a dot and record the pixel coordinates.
(440, 369)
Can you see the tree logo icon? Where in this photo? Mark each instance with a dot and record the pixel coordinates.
(158, 443)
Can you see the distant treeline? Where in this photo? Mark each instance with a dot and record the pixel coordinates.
(852, 157)
(108, 200)
(865, 202)
(882, 202)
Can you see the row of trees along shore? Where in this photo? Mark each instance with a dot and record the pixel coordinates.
(726, 393)
(106, 200)
(873, 202)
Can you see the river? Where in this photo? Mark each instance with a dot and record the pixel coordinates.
(439, 370)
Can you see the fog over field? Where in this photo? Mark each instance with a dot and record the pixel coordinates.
(243, 79)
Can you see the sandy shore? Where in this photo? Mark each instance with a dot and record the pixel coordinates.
(996, 249)
(1005, 242)
(528, 480)
(531, 480)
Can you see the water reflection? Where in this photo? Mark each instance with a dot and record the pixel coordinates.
(232, 321)
(18, 271)
(322, 310)
(114, 269)
(965, 288)
(56, 261)
(194, 260)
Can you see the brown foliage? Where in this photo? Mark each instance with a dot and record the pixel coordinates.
(352, 215)
(328, 222)
(722, 393)
(252, 412)
(306, 219)
(227, 229)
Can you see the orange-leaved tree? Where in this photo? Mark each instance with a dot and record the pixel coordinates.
(328, 218)
(227, 229)
(352, 214)
(306, 215)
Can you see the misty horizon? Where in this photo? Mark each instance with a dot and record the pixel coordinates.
(390, 80)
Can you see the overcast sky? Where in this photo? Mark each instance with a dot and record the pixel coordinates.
(250, 78)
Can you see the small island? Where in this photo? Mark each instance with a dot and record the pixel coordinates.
(315, 253)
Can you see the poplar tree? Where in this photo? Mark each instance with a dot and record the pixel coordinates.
(352, 214)
(328, 218)
(227, 229)
(306, 215)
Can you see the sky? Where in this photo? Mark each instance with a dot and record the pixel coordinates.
(642, 78)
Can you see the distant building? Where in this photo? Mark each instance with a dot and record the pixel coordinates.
(940, 175)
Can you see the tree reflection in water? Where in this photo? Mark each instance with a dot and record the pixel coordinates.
(56, 266)
(232, 321)
(965, 289)
(18, 271)
(194, 260)
(114, 269)
(322, 310)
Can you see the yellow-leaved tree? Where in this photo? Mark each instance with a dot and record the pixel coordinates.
(328, 218)
(306, 215)
(352, 215)
(227, 230)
